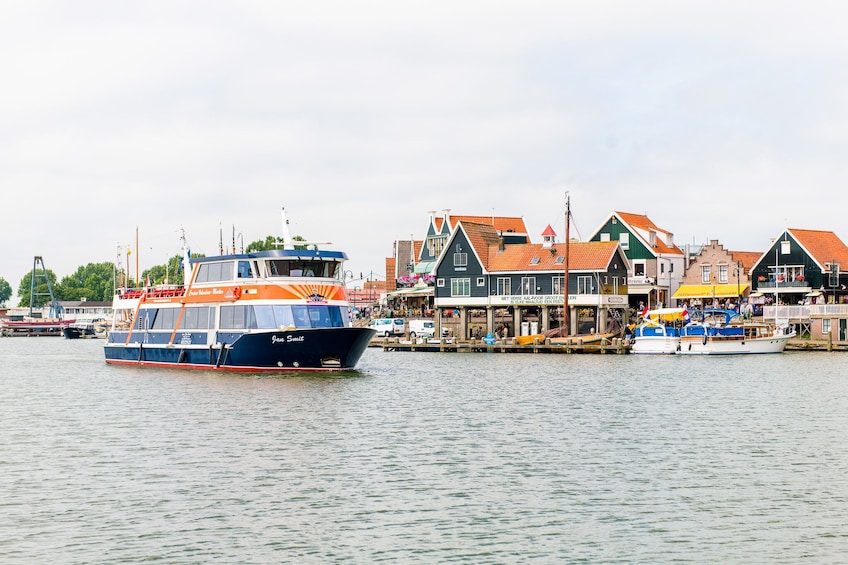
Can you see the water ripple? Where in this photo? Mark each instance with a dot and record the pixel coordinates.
(424, 458)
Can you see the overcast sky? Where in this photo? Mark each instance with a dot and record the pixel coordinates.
(720, 120)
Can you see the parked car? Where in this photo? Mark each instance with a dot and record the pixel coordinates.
(422, 328)
(387, 327)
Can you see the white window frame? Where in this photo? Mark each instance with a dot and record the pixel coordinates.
(706, 273)
(504, 286)
(461, 286)
(528, 286)
(584, 284)
(557, 284)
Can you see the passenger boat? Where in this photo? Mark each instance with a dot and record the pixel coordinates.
(267, 311)
(659, 331)
(724, 332)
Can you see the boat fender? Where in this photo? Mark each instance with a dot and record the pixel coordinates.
(705, 338)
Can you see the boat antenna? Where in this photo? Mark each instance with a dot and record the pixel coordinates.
(287, 239)
(186, 254)
(565, 323)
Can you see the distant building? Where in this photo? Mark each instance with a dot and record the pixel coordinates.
(519, 287)
(657, 264)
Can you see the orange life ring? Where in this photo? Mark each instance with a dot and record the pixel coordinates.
(236, 292)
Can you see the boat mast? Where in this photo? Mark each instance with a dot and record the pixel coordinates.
(565, 323)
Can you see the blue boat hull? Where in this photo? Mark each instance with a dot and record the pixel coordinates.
(319, 349)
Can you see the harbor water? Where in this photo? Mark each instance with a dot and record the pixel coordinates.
(424, 458)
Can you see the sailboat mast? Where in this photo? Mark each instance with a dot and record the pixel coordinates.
(565, 323)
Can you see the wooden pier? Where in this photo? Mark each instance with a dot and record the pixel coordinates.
(576, 345)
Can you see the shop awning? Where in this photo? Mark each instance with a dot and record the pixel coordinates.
(416, 290)
(424, 267)
(710, 290)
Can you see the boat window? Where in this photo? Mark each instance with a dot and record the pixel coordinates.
(237, 318)
(166, 319)
(301, 317)
(244, 270)
(264, 317)
(196, 318)
(283, 316)
(278, 268)
(213, 272)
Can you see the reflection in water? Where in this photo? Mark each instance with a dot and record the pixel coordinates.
(424, 457)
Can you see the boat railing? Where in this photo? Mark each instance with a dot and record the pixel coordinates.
(152, 292)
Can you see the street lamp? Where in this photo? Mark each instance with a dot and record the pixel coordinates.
(738, 288)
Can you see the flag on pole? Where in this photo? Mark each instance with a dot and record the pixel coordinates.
(147, 281)
(645, 311)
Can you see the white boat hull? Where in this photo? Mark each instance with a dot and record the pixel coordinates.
(716, 345)
(655, 345)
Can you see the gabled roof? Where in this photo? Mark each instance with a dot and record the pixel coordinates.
(500, 223)
(747, 258)
(823, 246)
(583, 256)
(482, 238)
(641, 223)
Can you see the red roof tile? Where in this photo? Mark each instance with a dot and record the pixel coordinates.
(747, 258)
(823, 246)
(642, 222)
(482, 237)
(583, 256)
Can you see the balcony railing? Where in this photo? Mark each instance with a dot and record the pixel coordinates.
(799, 314)
(782, 284)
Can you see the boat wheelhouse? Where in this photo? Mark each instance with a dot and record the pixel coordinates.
(277, 310)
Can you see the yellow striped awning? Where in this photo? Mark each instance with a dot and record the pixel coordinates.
(710, 291)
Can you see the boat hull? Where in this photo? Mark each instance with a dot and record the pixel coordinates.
(74, 332)
(651, 339)
(317, 349)
(655, 345)
(697, 345)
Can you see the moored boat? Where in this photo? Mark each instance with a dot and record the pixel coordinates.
(659, 332)
(266, 311)
(724, 332)
(84, 329)
(33, 327)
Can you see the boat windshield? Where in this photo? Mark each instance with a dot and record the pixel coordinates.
(299, 268)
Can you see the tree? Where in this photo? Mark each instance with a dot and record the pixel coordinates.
(171, 271)
(272, 242)
(269, 243)
(41, 293)
(94, 281)
(5, 291)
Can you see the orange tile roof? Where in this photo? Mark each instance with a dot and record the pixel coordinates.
(482, 238)
(642, 221)
(502, 223)
(583, 256)
(747, 258)
(823, 246)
